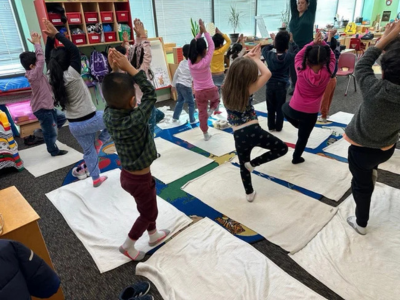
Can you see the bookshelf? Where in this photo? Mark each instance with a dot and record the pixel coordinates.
(81, 14)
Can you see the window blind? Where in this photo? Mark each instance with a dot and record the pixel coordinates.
(346, 9)
(246, 9)
(271, 11)
(326, 12)
(173, 18)
(143, 10)
(10, 41)
(359, 8)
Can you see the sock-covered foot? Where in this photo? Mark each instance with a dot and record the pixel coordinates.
(61, 152)
(322, 119)
(352, 221)
(157, 236)
(210, 112)
(175, 120)
(97, 182)
(98, 144)
(299, 160)
(195, 121)
(207, 136)
(128, 249)
(249, 167)
(250, 197)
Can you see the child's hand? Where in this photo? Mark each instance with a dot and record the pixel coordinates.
(173, 90)
(125, 37)
(202, 27)
(120, 61)
(332, 33)
(111, 60)
(254, 53)
(51, 30)
(241, 39)
(394, 31)
(318, 38)
(35, 38)
(272, 35)
(139, 28)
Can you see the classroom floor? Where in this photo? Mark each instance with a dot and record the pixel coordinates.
(80, 276)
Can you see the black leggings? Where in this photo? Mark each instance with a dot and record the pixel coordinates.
(249, 137)
(304, 122)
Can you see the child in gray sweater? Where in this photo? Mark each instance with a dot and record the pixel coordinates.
(374, 130)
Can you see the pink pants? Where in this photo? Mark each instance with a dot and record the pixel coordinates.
(202, 98)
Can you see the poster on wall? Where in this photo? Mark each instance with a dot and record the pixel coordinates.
(386, 16)
(159, 65)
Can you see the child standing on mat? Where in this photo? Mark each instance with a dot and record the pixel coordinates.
(72, 94)
(241, 82)
(314, 65)
(330, 88)
(199, 65)
(279, 63)
(374, 130)
(128, 126)
(182, 85)
(42, 101)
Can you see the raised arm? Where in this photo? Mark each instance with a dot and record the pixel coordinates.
(312, 7)
(265, 73)
(210, 51)
(39, 66)
(227, 44)
(298, 60)
(293, 7)
(49, 46)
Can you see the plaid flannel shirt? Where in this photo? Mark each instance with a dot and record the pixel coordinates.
(130, 131)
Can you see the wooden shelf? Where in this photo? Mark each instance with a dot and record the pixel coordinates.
(101, 44)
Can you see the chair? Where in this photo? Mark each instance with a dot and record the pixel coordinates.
(358, 46)
(347, 60)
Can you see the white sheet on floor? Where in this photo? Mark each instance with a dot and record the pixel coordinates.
(102, 217)
(341, 148)
(341, 117)
(322, 175)
(281, 215)
(167, 122)
(39, 162)
(262, 106)
(206, 262)
(175, 161)
(220, 143)
(354, 266)
(289, 133)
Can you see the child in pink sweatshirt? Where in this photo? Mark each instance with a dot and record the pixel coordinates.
(199, 66)
(314, 66)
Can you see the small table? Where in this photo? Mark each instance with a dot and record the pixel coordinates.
(20, 224)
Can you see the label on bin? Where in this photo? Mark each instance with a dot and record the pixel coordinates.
(92, 19)
(107, 18)
(56, 20)
(122, 15)
(79, 41)
(95, 37)
(75, 20)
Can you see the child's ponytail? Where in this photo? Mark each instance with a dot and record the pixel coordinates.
(316, 55)
(328, 55)
(58, 63)
(306, 54)
(193, 51)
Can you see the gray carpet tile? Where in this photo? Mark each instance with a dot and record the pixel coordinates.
(81, 278)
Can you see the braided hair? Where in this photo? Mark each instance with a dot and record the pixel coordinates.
(234, 50)
(316, 55)
(141, 56)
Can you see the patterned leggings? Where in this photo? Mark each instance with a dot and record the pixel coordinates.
(254, 136)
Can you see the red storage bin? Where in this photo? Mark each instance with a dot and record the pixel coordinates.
(122, 16)
(55, 19)
(94, 38)
(79, 39)
(107, 16)
(110, 36)
(74, 18)
(91, 17)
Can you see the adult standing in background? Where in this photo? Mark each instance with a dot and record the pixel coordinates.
(301, 26)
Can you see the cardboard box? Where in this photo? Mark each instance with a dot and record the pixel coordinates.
(178, 54)
(172, 68)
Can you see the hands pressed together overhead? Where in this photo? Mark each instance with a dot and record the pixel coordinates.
(35, 38)
(392, 32)
(254, 53)
(118, 61)
(50, 30)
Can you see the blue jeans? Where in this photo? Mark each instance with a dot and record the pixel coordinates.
(155, 117)
(218, 81)
(185, 94)
(85, 134)
(50, 120)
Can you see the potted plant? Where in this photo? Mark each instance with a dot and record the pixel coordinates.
(194, 27)
(234, 20)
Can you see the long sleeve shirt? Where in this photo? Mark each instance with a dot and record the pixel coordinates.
(42, 95)
(302, 27)
(182, 75)
(310, 86)
(201, 71)
(130, 131)
(217, 62)
(376, 124)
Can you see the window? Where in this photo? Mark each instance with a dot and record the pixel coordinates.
(271, 11)
(346, 9)
(10, 41)
(359, 8)
(143, 10)
(246, 9)
(173, 18)
(326, 12)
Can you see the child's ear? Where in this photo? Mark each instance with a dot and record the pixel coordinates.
(31, 66)
(132, 102)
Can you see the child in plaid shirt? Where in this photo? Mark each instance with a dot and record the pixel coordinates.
(128, 126)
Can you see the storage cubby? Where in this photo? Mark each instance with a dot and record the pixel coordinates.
(80, 14)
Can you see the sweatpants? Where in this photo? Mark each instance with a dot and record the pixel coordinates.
(327, 98)
(254, 136)
(276, 97)
(202, 98)
(362, 162)
(143, 190)
(85, 133)
(305, 122)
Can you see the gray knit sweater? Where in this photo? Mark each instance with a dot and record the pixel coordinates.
(377, 121)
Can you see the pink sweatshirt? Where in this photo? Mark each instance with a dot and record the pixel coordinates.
(201, 72)
(310, 86)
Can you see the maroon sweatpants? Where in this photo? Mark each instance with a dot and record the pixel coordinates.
(143, 189)
(202, 98)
